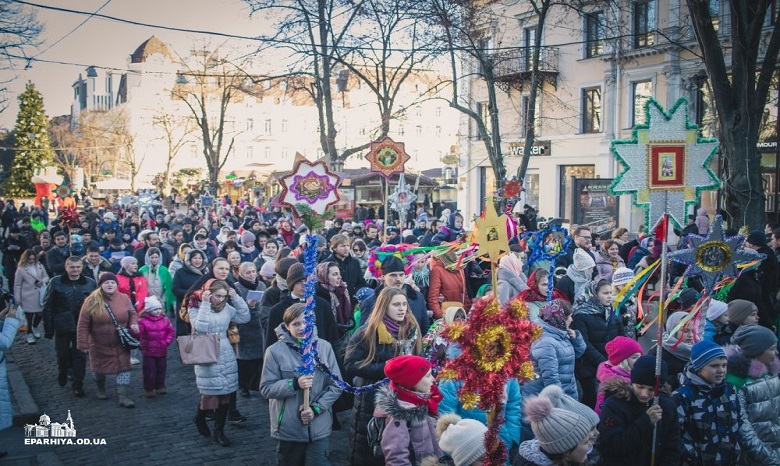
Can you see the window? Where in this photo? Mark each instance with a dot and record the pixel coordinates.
(591, 110)
(641, 91)
(483, 54)
(284, 126)
(267, 127)
(438, 112)
(250, 124)
(416, 155)
(418, 111)
(418, 130)
(594, 34)
(484, 115)
(529, 40)
(438, 131)
(567, 172)
(487, 183)
(705, 110)
(267, 152)
(362, 131)
(249, 152)
(193, 151)
(525, 102)
(284, 152)
(644, 23)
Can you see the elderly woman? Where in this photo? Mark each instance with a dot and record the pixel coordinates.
(31, 278)
(210, 312)
(97, 334)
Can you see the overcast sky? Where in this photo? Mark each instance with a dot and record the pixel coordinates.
(105, 43)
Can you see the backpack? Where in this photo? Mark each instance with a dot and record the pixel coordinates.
(374, 432)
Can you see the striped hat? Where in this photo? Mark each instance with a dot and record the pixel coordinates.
(703, 352)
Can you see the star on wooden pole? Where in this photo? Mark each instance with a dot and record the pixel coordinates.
(491, 233)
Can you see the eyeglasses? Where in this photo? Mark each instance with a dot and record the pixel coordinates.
(358, 249)
(585, 237)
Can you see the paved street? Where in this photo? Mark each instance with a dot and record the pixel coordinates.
(157, 431)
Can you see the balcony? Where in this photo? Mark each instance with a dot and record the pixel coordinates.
(512, 68)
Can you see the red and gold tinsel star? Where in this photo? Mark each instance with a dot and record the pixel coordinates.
(69, 217)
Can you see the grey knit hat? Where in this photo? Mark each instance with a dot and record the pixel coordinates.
(558, 430)
(753, 340)
(739, 310)
(559, 399)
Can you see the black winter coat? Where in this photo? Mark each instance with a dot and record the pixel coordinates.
(748, 287)
(363, 409)
(675, 366)
(63, 301)
(351, 274)
(183, 280)
(596, 331)
(417, 304)
(11, 256)
(326, 323)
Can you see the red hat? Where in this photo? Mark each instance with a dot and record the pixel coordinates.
(407, 370)
(620, 348)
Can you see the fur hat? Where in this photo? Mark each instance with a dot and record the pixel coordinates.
(620, 348)
(622, 276)
(462, 439)
(107, 276)
(739, 310)
(295, 274)
(703, 352)
(582, 260)
(643, 372)
(756, 238)
(753, 339)
(716, 309)
(407, 370)
(558, 430)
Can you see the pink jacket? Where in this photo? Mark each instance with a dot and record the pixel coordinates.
(607, 371)
(155, 333)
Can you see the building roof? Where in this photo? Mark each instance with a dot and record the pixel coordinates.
(149, 47)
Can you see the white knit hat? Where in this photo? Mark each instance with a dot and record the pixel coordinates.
(716, 309)
(622, 276)
(582, 260)
(463, 439)
(151, 303)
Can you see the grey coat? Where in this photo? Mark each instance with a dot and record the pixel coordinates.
(553, 356)
(220, 378)
(252, 339)
(29, 280)
(509, 285)
(7, 333)
(276, 384)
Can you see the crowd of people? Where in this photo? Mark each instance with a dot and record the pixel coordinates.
(238, 273)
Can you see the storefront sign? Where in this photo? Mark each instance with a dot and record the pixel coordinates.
(517, 149)
(593, 206)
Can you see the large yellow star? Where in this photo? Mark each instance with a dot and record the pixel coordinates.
(491, 233)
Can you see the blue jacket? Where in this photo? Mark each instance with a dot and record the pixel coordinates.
(447, 233)
(7, 334)
(553, 355)
(510, 431)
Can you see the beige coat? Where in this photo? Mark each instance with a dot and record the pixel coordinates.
(29, 280)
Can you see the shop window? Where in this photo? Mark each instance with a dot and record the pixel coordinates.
(567, 172)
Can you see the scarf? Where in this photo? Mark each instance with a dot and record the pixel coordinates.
(247, 249)
(422, 277)
(247, 284)
(532, 293)
(580, 281)
(391, 325)
(197, 297)
(676, 347)
(589, 302)
(287, 236)
(430, 400)
(281, 283)
(339, 302)
(553, 315)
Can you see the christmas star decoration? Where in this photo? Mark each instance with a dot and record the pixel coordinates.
(665, 164)
(311, 184)
(714, 256)
(387, 157)
(402, 198)
(491, 233)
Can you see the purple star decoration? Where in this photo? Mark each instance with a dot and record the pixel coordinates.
(311, 187)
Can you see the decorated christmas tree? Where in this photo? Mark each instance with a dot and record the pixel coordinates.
(33, 147)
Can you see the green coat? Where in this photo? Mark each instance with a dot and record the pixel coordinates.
(167, 285)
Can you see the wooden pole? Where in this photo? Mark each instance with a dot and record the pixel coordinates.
(387, 194)
(659, 337)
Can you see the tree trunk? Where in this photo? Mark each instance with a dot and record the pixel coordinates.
(742, 182)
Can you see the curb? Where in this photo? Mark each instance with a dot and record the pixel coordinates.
(26, 410)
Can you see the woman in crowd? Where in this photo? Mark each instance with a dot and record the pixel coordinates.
(578, 275)
(268, 254)
(97, 334)
(448, 283)
(302, 434)
(234, 259)
(9, 322)
(391, 330)
(753, 368)
(158, 279)
(178, 262)
(132, 283)
(359, 251)
(333, 290)
(628, 308)
(594, 319)
(31, 278)
(564, 430)
(608, 259)
(535, 296)
(511, 279)
(210, 312)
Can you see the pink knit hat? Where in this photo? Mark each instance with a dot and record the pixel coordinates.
(620, 348)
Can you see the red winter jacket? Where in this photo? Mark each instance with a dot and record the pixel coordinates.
(451, 284)
(155, 333)
(139, 292)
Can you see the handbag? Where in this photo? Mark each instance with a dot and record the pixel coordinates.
(127, 340)
(42, 293)
(198, 348)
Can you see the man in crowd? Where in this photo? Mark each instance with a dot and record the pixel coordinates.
(351, 273)
(582, 239)
(151, 240)
(56, 256)
(95, 264)
(61, 306)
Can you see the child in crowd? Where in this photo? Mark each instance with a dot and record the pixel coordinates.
(155, 334)
(628, 308)
(739, 312)
(410, 406)
(622, 353)
(564, 430)
(707, 409)
(463, 441)
(716, 322)
(302, 434)
(753, 368)
(629, 415)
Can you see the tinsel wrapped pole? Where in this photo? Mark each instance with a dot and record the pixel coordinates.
(664, 230)
(308, 344)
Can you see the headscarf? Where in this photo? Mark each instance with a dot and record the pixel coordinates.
(589, 302)
(449, 259)
(188, 263)
(552, 314)
(197, 297)
(148, 262)
(181, 250)
(512, 263)
(532, 293)
(670, 341)
(339, 298)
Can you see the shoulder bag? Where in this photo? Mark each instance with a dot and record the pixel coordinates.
(125, 337)
(198, 348)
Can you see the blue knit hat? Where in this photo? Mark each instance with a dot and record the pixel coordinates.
(705, 351)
